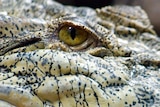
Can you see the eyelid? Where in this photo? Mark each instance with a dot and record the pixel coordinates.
(57, 24)
(92, 40)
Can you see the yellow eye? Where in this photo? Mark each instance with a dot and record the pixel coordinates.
(72, 35)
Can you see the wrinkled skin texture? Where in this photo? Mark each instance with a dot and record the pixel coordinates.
(116, 63)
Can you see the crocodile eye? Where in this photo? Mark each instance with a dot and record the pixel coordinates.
(72, 35)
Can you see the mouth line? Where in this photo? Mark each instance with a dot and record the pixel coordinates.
(19, 43)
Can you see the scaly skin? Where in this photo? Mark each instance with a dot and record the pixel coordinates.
(117, 65)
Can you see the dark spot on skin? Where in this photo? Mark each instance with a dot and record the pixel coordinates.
(6, 28)
(21, 29)
(119, 78)
(27, 10)
(129, 90)
(17, 26)
(59, 67)
(43, 84)
(4, 35)
(11, 33)
(126, 103)
(22, 91)
(117, 89)
(134, 103)
(114, 84)
(79, 84)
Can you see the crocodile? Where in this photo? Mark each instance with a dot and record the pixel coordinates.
(54, 55)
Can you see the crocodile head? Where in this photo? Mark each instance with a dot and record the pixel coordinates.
(55, 55)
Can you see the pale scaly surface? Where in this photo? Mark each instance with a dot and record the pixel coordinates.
(53, 55)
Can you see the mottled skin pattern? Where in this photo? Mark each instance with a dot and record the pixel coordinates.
(116, 63)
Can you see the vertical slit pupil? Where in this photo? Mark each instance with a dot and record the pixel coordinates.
(72, 32)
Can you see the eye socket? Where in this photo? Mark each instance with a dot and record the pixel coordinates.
(72, 35)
